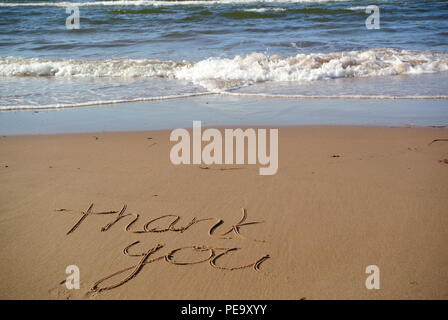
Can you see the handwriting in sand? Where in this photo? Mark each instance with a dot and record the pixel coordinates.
(167, 223)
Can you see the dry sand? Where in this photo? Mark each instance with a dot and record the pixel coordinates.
(343, 198)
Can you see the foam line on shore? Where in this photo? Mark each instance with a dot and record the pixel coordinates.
(98, 103)
(351, 97)
(238, 94)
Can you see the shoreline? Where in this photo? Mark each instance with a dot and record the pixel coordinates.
(225, 93)
(220, 111)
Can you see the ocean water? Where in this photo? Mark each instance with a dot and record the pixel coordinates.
(141, 50)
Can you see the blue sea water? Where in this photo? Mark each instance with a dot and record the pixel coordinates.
(139, 50)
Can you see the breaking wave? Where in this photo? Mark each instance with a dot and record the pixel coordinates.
(221, 74)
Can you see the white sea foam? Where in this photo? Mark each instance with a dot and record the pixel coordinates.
(100, 102)
(238, 94)
(220, 74)
(152, 3)
(265, 10)
(348, 97)
(357, 8)
(143, 68)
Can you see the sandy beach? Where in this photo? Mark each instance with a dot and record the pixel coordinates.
(344, 198)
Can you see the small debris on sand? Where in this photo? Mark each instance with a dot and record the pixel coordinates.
(437, 140)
